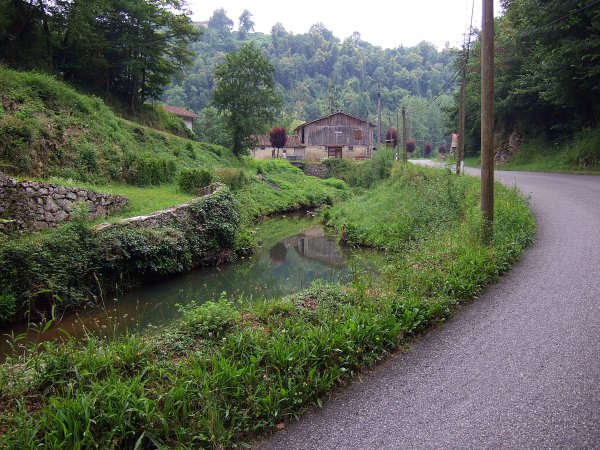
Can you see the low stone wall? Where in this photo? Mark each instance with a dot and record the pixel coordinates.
(31, 205)
(316, 170)
(164, 217)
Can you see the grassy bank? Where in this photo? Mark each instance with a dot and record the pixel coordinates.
(232, 369)
(580, 155)
(49, 129)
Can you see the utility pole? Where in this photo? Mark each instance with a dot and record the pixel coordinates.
(404, 154)
(487, 120)
(379, 114)
(461, 119)
(397, 137)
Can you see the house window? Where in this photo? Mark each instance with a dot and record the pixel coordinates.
(357, 134)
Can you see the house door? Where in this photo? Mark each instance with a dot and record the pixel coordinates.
(334, 152)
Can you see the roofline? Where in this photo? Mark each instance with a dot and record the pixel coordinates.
(333, 114)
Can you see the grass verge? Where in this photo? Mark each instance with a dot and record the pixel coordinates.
(231, 369)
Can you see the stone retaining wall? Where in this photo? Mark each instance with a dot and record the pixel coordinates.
(164, 217)
(316, 170)
(31, 205)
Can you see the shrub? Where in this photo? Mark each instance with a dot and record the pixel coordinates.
(442, 149)
(8, 307)
(427, 150)
(145, 170)
(191, 180)
(411, 145)
(210, 319)
(336, 183)
(234, 178)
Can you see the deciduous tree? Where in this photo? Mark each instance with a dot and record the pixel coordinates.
(244, 94)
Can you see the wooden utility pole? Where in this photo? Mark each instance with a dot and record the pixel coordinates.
(487, 120)
(379, 114)
(404, 154)
(461, 120)
(397, 137)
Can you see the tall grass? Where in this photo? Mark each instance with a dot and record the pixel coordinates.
(232, 369)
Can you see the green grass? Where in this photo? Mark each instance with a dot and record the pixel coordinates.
(230, 370)
(142, 200)
(580, 155)
(49, 129)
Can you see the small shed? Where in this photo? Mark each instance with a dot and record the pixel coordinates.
(188, 117)
(337, 135)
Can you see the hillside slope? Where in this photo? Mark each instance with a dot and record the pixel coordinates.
(49, 129)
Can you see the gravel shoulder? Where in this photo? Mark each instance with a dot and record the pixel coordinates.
(519, 367)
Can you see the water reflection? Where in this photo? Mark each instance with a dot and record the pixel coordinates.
(282, 265)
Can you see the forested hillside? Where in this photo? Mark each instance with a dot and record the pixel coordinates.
(547, 80)
(317, 73)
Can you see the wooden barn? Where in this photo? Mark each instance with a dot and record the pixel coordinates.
(338, 135)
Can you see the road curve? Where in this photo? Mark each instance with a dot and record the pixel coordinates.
(518, 368)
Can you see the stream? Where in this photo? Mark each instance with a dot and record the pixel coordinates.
(294, 251)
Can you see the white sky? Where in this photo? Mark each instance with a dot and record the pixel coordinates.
(387, 24)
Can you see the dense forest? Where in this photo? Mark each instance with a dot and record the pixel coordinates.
(316, 73)
(547, 75)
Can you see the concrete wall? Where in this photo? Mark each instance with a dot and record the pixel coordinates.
(31, 205)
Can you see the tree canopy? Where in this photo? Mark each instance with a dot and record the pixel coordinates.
(127, 48)
(244, 95)
(317, 73)
(547, 78)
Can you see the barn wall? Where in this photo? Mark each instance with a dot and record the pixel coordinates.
(338, 130)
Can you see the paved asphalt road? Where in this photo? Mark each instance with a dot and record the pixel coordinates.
(518, 368)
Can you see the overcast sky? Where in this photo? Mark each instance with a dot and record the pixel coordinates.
(384, 23)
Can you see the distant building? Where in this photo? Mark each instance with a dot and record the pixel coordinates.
(188, 117)
(263, 149)
(338, 135)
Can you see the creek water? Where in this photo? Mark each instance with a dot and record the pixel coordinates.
(294, 251)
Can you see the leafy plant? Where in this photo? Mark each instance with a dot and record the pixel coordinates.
(191, 180)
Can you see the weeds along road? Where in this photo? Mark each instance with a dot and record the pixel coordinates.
(518, 368)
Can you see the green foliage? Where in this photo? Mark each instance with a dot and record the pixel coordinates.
(365, 173)
(547, 85)
(244, 95)
(49, 129)
(232, 177)
(191, 180)
(8, 307)
(129, 55)
(579, 155)
(71, 267)
(147, 170)
(239, 371)
(315, 72)
(208, 320)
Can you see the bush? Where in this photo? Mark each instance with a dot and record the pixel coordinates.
(234, 178)
(336, 183)
(191, 180)
(8, 307)
(145, 170)
(209, 320)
